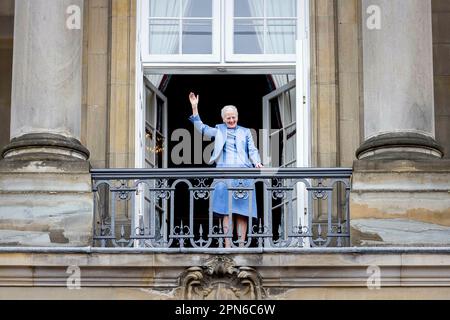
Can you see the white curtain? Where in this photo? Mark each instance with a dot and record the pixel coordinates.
(166, 41)
(257, 10)
(278, 40)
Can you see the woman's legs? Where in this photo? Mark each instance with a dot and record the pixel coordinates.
(225, 226)
(241, 227)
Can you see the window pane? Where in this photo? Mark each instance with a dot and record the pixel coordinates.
(280, 36)
(164, 36)
(248, 36)
(197, 8)
(281, 8)
(197, 37)
(164, 8)
(248, 8)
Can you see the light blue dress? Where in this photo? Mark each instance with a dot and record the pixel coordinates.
(233, 148)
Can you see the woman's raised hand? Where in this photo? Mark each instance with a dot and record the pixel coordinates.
(193, 99)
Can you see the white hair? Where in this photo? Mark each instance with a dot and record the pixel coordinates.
(226, 108)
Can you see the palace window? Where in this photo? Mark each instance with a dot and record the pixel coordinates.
(219, 31)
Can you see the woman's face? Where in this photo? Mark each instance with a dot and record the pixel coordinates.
(230, 119)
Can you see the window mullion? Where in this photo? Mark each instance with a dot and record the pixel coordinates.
(264, 27)
(180, 32)
(223, 22)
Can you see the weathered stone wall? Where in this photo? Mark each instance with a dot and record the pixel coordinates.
(400, 203)
(311, 274)
(45, 203)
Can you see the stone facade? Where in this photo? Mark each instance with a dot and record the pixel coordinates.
(309, 274)
(51, 201)
(336, 63)
(379, 104)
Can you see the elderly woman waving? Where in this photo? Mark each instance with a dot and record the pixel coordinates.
(233, 148)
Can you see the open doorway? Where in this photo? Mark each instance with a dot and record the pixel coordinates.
(266, 105)
(215, 91)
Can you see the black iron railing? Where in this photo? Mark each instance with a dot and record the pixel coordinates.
(173, 208)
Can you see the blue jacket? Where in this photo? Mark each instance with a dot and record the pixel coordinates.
(244, 141)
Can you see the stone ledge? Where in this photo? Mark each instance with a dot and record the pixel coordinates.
(283, 276)
(308, 257)
(416, 166)
(45, 201)
(416, 191)
(9, 166)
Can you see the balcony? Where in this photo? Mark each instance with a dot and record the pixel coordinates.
(171, 209)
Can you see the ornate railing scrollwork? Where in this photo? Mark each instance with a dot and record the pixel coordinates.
(173, 208)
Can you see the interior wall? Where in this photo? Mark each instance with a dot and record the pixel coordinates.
(441, 57)
(6, 58)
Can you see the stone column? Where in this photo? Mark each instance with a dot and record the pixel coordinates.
(46, 86)
(45, 183)
(398, 80)
(400, 183)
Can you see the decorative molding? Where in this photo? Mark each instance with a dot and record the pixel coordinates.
(400, 145)
(220, 279)
(45, 146)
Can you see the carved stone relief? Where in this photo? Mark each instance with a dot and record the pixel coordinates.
(220, 279)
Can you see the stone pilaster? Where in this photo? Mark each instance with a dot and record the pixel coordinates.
(398, 80)
(400, 183)
(46, 82)
(45, 185)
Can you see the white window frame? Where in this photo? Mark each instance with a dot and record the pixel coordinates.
(300, 66)
(222, 41)
(230, 56)
(180, 57)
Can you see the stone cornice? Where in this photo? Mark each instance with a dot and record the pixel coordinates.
(278, 271)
